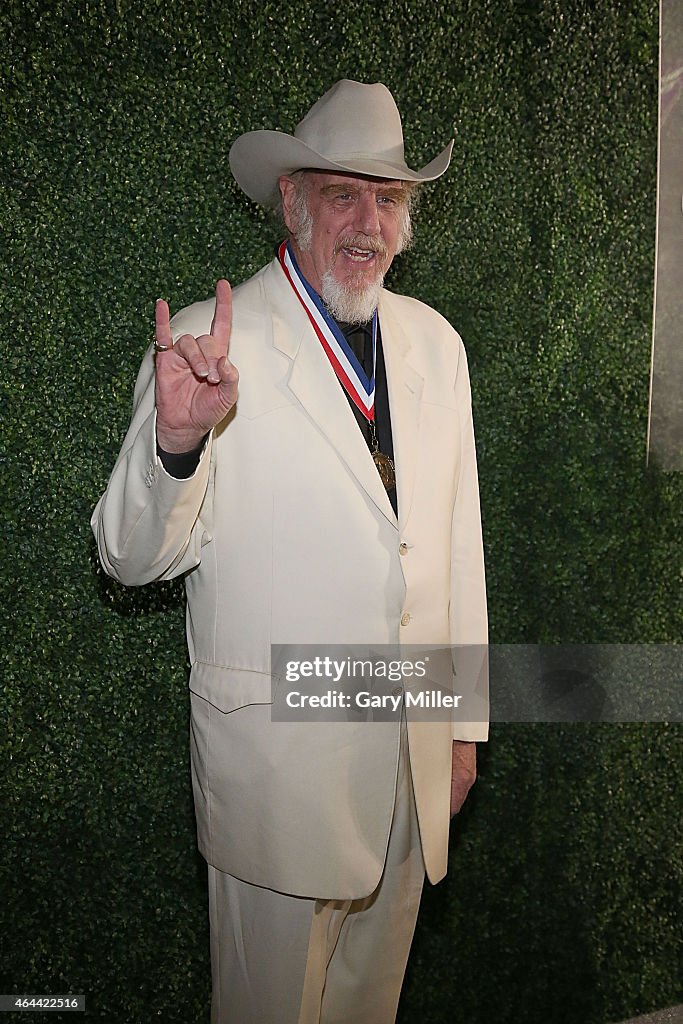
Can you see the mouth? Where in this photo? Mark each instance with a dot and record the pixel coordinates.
(358, 255)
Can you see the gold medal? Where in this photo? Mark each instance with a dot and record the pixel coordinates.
(385, 468)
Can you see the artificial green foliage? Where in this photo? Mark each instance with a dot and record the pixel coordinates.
(538, 245)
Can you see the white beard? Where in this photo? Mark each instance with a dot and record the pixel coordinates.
(349, 304)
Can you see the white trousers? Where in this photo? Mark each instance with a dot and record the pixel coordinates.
(278, 959)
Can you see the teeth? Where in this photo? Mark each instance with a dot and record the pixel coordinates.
(359, 254)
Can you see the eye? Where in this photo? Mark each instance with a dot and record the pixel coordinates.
(386, 200)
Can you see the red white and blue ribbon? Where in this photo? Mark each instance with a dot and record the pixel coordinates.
(340, 354)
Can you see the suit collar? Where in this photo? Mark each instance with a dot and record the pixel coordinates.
(404, 384)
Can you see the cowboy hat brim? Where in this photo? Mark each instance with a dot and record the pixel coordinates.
(259, 158)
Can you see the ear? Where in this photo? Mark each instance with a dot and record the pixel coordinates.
(287, 192)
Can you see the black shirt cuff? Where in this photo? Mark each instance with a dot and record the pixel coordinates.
(181, 465)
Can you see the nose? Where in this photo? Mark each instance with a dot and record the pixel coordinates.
(367, 215)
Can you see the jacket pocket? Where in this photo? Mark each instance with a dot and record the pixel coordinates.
(230, 688)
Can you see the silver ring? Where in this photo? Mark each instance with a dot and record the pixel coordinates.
(160, 348)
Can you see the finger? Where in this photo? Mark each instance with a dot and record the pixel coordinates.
(221, 325)
(187, 347)
(229, 378)
(210, 349)
(229, 373)
(162, 317)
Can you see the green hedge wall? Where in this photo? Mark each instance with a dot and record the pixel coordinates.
(538, 246)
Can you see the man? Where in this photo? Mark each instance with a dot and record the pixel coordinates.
(333, 502)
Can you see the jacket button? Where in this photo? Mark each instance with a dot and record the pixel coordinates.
(405, 618)
(403, 547)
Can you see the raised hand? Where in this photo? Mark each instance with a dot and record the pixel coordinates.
(196, 384)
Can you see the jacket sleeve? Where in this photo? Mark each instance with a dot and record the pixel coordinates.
(148, 525)
(468, 613)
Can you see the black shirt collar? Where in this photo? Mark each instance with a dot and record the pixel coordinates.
(347, 329)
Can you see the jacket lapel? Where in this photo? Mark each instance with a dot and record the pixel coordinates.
(405, 386)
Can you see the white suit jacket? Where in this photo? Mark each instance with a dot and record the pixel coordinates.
(286, 535)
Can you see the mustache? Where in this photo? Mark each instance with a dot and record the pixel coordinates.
(371, 242)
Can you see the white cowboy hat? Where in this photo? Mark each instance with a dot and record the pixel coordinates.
(353, 128)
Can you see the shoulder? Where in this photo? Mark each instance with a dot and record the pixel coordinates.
(428, 342)
(420, 321)
(415, 312)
